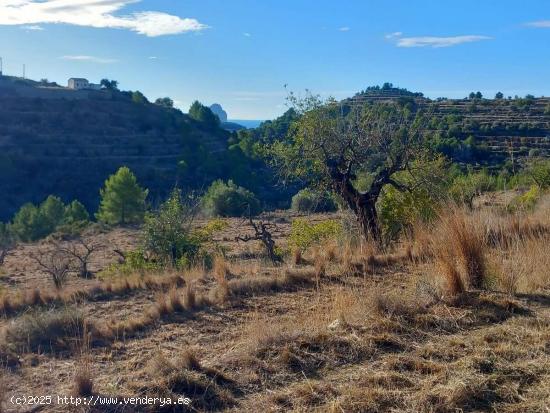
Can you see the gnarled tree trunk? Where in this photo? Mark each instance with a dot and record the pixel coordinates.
(362, 204)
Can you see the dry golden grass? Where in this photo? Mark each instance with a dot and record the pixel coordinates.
(11, 304)
(386, 341)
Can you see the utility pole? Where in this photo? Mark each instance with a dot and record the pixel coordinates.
(1, 66)
(24, 70)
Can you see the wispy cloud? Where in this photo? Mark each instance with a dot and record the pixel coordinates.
(344, 29)
(246, 34)
(152, 57)
(32, 28)
(94, 13)
(433, 41)
(92, 59)
(544, 24)
(393, 35)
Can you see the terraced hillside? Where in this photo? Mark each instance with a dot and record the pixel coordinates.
(501, 129)
(59, 141)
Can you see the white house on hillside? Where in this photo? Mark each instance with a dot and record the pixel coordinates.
(80, 84)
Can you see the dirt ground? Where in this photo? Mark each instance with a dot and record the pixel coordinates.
(362, 341)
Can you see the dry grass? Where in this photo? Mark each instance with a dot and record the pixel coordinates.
(12, 304)
(51, 331)
(446, 266)
(297, 258)
(387, 341)
(184, 376)
(290, 279)
(221, 267)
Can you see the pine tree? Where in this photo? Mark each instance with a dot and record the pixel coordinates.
(122, 199)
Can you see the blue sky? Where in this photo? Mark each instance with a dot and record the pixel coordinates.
(241, 53)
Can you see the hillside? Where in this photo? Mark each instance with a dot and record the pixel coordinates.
(59, 141)
(499, 130)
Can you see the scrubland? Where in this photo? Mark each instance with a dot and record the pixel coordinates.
(455, 316)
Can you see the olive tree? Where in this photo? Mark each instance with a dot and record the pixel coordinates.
(333, 143)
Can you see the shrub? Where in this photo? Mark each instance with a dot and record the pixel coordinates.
(527, 201)
(33, 222)
(168, 233)
(230, 200)
(304, 235)
(308, 200)
(122, 199)
(539, 172)
(401, 209)
(465, 188)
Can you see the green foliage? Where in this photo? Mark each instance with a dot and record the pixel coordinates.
(539, 172)
(135, 261)
(168, 234)
(399, 210)
(75, 212)
(203, 114)
(229, 200)
(28, 224)
(139, 98)
(165, 102)
(109, 84)
(526, 201)
(308, 200)
(122, 199)
(304, 235)
(464, 188)
(52, 212)
(33, 222)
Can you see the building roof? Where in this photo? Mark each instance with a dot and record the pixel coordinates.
(78, 78)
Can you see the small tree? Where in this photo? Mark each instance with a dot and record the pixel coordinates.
(52, 211)
(56, 263)
(203, 114)
(109, 84)
(27, 224)
(139, 98)
(165, 102)
(262, 233)
(168, 232)
(82, 252)
(75, 212)
(122, 199)
(332, 143)
(499, 96)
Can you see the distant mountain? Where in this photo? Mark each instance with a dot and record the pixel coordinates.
(217, 110)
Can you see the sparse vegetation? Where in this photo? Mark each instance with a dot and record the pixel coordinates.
(446, 309)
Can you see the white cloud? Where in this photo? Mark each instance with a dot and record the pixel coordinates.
(32, 28)
(152, 58)
(94, 13)
(433, 41)
(344, 29)
(393, 35)
(85, 58)
(545, 24)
